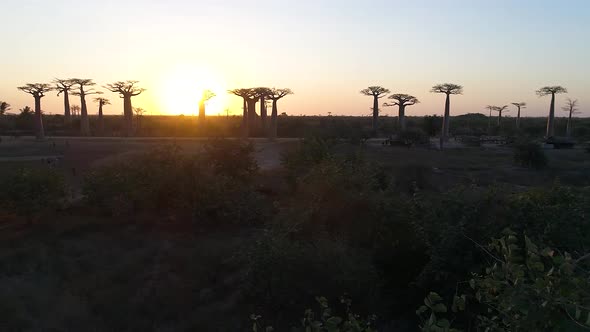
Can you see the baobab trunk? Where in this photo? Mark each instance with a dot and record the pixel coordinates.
(202, 112)
(245, 127)
(67, 113)
(128, 115)
(263, 114)
(39, 132)
(518, 118)
(375, 113)
(274, 120)
(446, 120)
(84, 122)
(252, 113)
(499, 118)
(550, 130)
(568, 129)
(402, 117)
(100, 120)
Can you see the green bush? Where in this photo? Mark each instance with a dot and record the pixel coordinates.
(530, 155)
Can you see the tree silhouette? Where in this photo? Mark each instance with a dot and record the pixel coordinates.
(84, 88)
(64, 86)
(207, 95)
(500, 109)
(75, 110)
(262, 93)
(4, 107)
(126, 90)
(139, 112)
(101, 102)
(275, 95)
(571, 106)
(377, 92)
(448, 89)
(402, 100)
(37, 90)
(245, 94)
(489, 108)
(551, 90)
(519, 106)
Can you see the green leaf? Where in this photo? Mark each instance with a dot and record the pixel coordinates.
(439, 307)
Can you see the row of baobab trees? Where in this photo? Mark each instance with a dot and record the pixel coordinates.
(402, 100)
(128, 89)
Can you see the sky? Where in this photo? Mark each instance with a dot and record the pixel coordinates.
(326, 51)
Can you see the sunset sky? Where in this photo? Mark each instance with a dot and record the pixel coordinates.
(324, 50)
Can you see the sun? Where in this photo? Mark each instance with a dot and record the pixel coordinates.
(182, 86)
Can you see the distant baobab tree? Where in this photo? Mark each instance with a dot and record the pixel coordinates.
(64, 86)
(207, 95)
(489, 108)
(4, 107)
(37, 90)
(139, 112)
(126, 90)
(519, 106)
(275, 95)
(448, 89)
(402, 100)
(551, 90)
(500, 110)
(262, 94)
(75, 110)
(84, 88)
(571, 106)
(377, 92)
(244, 93)
(101, 103)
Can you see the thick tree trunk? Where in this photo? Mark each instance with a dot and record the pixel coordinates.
(274, 120)
(402, 117)
(568, 129)
(252, 114)
(245, 127)
(446, 119)
(550, 119)
(100, 120)
(67, 113)
(263, 115)
(128, 115)
(39, 132)
(84, 122)
(518, 118)
(202, 112)
(375, 113)
(490, 122)
(499, 118)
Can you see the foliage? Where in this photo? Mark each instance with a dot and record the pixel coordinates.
(433, 311)
(30, 191)
(413, 136)
(530, 155)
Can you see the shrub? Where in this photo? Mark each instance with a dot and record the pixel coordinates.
(29, 192)
(530, 155)
(413, 136)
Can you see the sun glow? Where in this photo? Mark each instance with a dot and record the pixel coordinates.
(182, 86)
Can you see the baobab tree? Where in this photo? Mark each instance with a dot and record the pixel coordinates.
(139, 112)
(489, 108)
(500, 109)
(377, 92)
(551, 90)
(126, 90)
(448, 89)
(83, 88)
(37, 90)
(207, 95)
(571, 106)
(245, 94)
(519, 106)
(275, 95)
(4, 107)
(101, 103)
(402, 100)
(64, 86)
(262, 94)
(75, 110)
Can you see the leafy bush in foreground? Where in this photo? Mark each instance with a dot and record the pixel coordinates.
(530, 155)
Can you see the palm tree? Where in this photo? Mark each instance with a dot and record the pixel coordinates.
(377, 92)
(4, 107)
(207, 95)
(101, 102)
(448, 89)
(519, 106)
(402, 100)
(64, 86)
(84, 88)
(551, 90)
(275, 95)
(571, 106)
(37, 90)
(126, 89)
